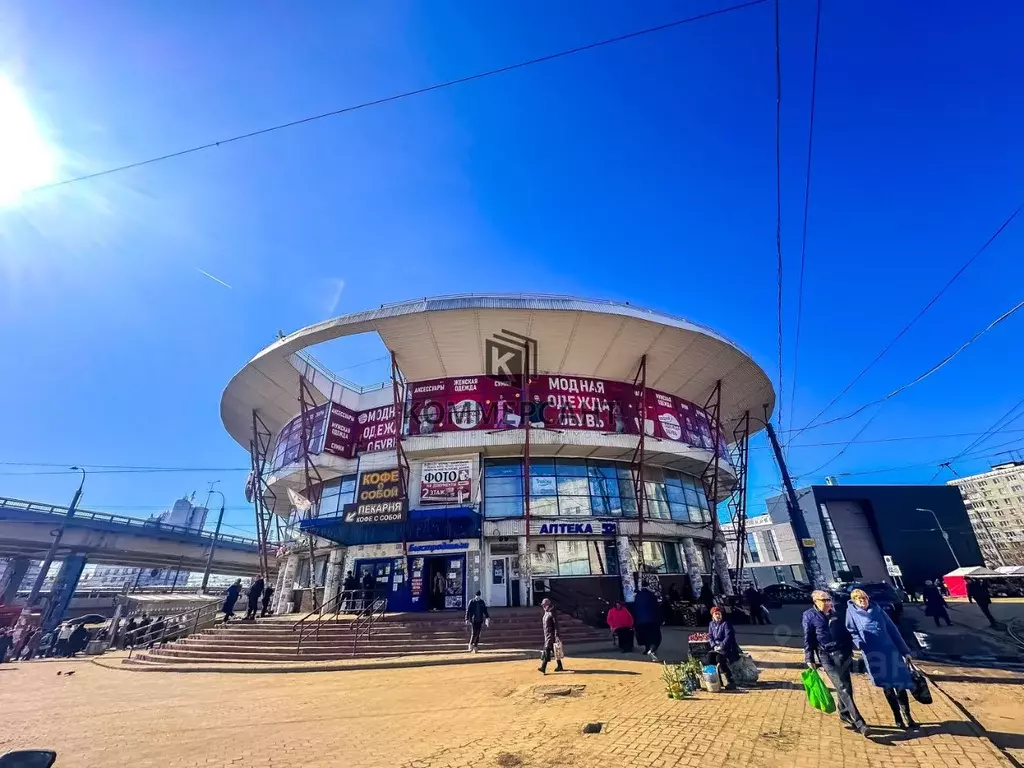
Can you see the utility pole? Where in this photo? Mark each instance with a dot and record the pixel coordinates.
(213, 544)
(796, 516)
(44, 567)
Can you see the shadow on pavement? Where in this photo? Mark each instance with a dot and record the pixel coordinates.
(972, 679)
(600, 671)
(950, 727)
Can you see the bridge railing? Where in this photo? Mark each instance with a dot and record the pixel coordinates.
(134, 522)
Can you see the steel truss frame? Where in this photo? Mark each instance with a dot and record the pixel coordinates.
(709, 476)
(398, 392)
(259, 452)
(314, 481)
(637, 463)
(737, 502)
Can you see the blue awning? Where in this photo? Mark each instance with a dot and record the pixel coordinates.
(425, 524)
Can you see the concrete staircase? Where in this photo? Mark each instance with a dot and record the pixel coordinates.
(276, 640)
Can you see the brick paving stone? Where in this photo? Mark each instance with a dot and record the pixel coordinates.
(474, 715)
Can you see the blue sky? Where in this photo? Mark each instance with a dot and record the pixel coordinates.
(643, 171)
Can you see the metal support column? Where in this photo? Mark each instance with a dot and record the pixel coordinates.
(398, 392)
(314, 489)
(709, 477)
(257, 490)
(738, 500)
(796, 515)
(638, 461)
(525, 423)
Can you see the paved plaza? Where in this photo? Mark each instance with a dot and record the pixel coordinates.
(493, 714)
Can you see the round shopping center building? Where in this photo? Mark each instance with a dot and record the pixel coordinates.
(524, 446)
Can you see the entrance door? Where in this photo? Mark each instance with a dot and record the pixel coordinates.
(499, 581)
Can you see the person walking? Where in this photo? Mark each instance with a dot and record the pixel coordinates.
(647, 613)
(755, 602)
(6, 641)
(438, 588)
(254, 594)
(230, 598)
(550, 625)
(885, 651)
(476, 617)
(620, 622)
(935, 604)
(369, 582)
(32, 645)
(268, 592)
(78, 641)
(828, 646)
(724, 648)
(63, 636)
(350, 585)
(977, 590)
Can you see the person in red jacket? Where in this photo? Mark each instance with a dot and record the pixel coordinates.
(620, 622)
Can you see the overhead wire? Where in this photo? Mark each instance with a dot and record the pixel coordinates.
(963, 268)
(403, 95)
(807, 205)
(883, 400)
(1001, 423)
(778, 204)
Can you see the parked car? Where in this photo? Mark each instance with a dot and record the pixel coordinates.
(777, 595)
(880, 592)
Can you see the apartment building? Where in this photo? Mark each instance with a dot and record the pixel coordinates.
(995, 506)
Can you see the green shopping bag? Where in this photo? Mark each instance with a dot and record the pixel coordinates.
(819, 696)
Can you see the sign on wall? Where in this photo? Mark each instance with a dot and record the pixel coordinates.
(446, 482)
(377, 499)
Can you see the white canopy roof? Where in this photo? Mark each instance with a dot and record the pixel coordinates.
(975, 571)
(443, 337)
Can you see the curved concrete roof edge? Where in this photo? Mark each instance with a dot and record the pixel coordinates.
(364, 321)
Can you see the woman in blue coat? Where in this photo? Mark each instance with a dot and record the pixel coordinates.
(885, 652)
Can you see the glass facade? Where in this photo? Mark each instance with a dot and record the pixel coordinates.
(659, 557)
(594, 557)
(337, 493)
(288, 447)
(582, 487)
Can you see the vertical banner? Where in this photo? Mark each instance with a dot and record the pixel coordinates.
(446, 482)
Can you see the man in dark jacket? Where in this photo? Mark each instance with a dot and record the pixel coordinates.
(977, 590)
(647, 615)
(935, 604)
(350, 586)
(230, 598)
(828, 645)
(268, 592)
(551, 636)
(255, 593)
(476, 615)
(755, 602)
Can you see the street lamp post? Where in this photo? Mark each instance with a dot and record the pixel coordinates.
(943, 532)
(213, 544)
(48, 560)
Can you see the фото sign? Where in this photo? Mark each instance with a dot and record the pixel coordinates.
(446, 482)
(377, 499)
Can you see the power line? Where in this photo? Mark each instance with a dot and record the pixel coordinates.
(897, 439)
(1001, 423)
(935, 368)
(778, 200)
(807, 205)
(126, 471)
(917, 317)
(403, 95)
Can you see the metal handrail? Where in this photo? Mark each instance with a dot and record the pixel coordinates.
(180, 629)
(53, 509)
(303, 631)
(364, 623)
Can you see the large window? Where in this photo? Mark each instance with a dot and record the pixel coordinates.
(752, 554)
(832, 543)
(337, 493)
(578, 487)
(288, 447)
(579, 557)
(773, 546)
(659, 557)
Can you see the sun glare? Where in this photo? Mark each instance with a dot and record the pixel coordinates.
(27, 160)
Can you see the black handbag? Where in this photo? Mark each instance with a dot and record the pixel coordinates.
(919, 686)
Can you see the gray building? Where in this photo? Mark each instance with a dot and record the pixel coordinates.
(770, 551)
(854, 527)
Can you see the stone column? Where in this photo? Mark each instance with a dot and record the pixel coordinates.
(71, 568)
(10, 583)
(625, 568)
(287, 578)
(721, 563)
(335, 575)
(525, 575)
(693, 566)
